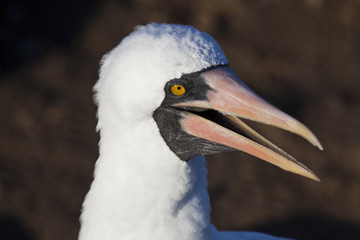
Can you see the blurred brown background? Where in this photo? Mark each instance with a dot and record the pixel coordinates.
(302, 56)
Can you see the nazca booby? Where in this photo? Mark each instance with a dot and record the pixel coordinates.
(166, 97)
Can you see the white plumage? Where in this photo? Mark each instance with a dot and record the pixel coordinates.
(141, 188)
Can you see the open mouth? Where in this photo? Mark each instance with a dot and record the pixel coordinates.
(219, 119)
(239, 128)
(231, 131)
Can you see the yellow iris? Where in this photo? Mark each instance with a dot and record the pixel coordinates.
(177, 90)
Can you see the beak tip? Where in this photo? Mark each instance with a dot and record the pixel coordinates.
(318, 144)
(311, 175)
(316, 178)
(320, 147)
(310, 136)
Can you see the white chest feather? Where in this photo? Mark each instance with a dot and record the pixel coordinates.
(143, 191)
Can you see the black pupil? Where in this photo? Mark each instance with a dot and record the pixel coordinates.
(178, 88)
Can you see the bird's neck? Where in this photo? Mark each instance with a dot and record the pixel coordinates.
(142, 190)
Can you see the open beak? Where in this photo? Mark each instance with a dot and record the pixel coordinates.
(231, 99)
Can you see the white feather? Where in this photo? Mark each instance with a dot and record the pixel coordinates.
(141, 189)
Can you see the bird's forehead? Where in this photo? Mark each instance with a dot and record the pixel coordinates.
(173, 49)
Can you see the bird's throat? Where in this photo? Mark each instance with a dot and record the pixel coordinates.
(144, 191)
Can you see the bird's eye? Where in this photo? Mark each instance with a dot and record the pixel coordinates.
(177, 90)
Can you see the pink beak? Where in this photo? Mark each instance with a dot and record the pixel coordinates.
(233, 99)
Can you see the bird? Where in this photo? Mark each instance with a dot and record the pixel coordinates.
(166, 97)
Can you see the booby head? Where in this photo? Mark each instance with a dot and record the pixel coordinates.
(180, 78)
